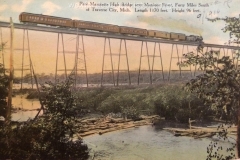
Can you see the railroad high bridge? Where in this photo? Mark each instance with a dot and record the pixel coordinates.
(153, 59)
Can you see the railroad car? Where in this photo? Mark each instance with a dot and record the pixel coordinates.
(95, 26)
(44, 19)
(177, 36)
(102, 27)
(151, 33)
(161, 34)
(133, 31)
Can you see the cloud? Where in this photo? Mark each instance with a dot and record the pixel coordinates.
(137, 25)
(21, 7)
(50, 7)
(3, 7)
(176, 24)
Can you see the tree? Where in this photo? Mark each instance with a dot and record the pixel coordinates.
(58, 124)
(3, 91)
(219, 85)
(50, 136)
(4, 82)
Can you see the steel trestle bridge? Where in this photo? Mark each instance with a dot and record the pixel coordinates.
(107, 42)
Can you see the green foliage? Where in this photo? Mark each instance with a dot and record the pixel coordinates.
(175, 103)
(4, 82)
(232, 26)
(170, 101)
(58, 124)
(50, 136)
(219, 85)
(91, 99)
(215, 149)
(130, 112)
(129, 102)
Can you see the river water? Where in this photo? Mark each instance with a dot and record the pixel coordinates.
(142, 143)
(27, 108)
(147, 143)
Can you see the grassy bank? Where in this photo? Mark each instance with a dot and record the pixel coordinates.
(167, 100)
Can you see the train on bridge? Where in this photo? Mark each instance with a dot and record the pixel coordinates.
(31, 18)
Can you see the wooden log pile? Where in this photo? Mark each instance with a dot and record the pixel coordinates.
(104, 125)
(200, 132)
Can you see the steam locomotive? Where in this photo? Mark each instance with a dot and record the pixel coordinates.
(102, 27)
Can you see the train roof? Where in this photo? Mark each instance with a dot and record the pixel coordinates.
(177, 33)
(43, 15)
(94, 22)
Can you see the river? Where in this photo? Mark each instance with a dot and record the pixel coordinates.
(147, 143)
(142, 143)
(27, 108)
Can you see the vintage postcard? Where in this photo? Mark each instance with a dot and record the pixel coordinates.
(123, 57)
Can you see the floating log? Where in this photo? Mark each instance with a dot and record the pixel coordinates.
(199, 132)
(205, 135)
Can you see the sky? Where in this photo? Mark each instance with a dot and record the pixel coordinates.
(44, 45)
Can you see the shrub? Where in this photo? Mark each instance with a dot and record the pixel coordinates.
(49, 136)
(4, 82)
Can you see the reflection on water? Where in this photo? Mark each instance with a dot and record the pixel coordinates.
(143, 143)
(23, 115)
(20, 102)
(146, 143)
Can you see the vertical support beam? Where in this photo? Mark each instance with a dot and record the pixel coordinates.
(129, 77)
(219, 52)
(195, 67)
(169, 72)
(204, 69)
(149, 68)
(180, 71)
(85, 62)
(170, 66)
(30, 60)
(111, 61)
(154, 52)
(65, 66)
(57, 58)
(190, 68)
(190, 65)
(2, 45)
(104, 52)
(160, 53)
(76, 59)
(139, 71)
(160, 56)
(119, 57)
(23, 49)
(224, 52)
(9, 102)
